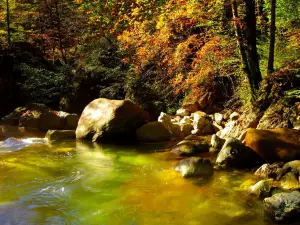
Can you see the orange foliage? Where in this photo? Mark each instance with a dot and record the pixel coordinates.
(181, 44)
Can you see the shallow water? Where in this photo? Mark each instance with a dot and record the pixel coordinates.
(87, 184)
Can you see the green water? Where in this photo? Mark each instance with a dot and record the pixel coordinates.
(71, 183)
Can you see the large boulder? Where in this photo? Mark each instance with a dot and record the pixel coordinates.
(59, 135)
(275, 144)
(153, 132)
(38, 116)
(195, 166)
(111, 120)
(50, 121)
(283, 207)
(235, 154)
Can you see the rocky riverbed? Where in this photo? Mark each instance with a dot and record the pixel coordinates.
(201, 143)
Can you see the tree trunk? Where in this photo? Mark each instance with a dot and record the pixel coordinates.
(240, 41)
(8, 24)
(60, 38)
(272, 38)
(253, 62)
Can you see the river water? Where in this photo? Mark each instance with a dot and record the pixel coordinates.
(79, 183)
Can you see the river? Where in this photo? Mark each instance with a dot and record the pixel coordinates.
(87, 184)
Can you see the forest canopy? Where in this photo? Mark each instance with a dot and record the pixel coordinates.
(158, 53)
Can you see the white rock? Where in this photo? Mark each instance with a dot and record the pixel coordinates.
(227, 129)
(182, 112)
(218, 117)
(202, 124)
(174, 128)
(186, 120)
(166, 120)
(199, 114)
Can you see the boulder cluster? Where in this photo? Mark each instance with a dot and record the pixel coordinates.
(275, 152)
(37, 119)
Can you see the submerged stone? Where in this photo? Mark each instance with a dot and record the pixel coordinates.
(190, 147)
(195, 166)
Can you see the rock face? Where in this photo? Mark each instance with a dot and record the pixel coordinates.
(280, 115)
(275, 144)
(153, 132)
(58, 135)
(195, 166)
(190, 147)
(283, 207)
(40, 117)
(249, 119)
(235, 154)
(105, 119)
